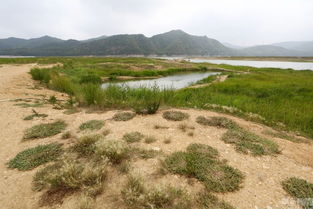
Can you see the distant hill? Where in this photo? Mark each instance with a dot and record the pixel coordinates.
(305, 46)
(173, 43)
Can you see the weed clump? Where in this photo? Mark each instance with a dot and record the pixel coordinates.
(202, 162)
(298, 188)
(35, 115)
(175, 115)
(124, 116)
(136, 195)
(69, 174)
(44, 130)
(115, 150)
(92, 125)
(133, 137)
(208, 201)
(36, 156)
(284, 136)
(220, 122)
(66, 135)
(85, 145)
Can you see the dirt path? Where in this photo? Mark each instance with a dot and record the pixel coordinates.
(263, 175)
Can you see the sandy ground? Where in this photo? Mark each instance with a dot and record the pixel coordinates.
(263, 175)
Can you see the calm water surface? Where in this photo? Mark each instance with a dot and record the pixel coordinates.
(266, 64)
(177, 81)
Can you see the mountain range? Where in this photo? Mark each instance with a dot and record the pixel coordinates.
(173, 43)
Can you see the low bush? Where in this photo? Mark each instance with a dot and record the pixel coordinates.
(133, 137)
(298, 188)
(123, 116)
(44, 130)
(90, 78)
(62, 84)
(175, 115)
(92, 125)
(42, 75)
(36, 156)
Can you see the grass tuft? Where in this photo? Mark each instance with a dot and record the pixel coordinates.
(208, 201)
(85, 145)
(220, 122)
(175, 115)
(44, 130)
(36, 156)
(133, 137)
(115, 150)
(202, 162)
(286, 136)
(92, 125)
(66, 135)
(150, 139)
(124, 116)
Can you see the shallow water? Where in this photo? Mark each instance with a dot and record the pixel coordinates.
(265, 64)
(177, 81)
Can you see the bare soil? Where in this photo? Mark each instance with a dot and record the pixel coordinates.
(263, 175)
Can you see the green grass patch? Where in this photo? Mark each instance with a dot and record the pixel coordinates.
(202, 162)
(300, 189)
(85, 145)
(44, 130)
(220, 122)
(92, 125)
(249, 143)
(123, 116)
(36, 156)
(283, 135)
(175, 115)
(208, 201)
(133, 137)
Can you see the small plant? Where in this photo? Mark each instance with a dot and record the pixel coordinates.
(124, 116)
(85, 145)
(33, 157)
(284, 136)
(106, 132)
(202, 162)
(70, 111)
(150, 139)
(220, 122)
(52, 100)
(92, 125)
(115, 150)
(184, 127)
(44, 130)
(145, 154)
(191, 134)
(35, 115)
(133, 137)
(175, 115)
(66, 135)
(124, 167)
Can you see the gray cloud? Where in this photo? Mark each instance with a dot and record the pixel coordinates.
(243, 22)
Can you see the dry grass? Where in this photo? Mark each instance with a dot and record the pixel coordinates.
(124, 116)
(115, 150)
(150, 139)
(92, 125)
(133, 137)
(85, 145)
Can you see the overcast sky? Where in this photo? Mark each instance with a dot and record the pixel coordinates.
(241, 22)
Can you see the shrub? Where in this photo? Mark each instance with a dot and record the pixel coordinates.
(175, 115)
(220, 122)
(201, 161)
(33, 157)
(44, 130)
(92, 125)
(42, 75)
(133, 137)
(115, 150)
(52, 100)
(90, 78)
(91, 94)
(124, 116)
(85, 145)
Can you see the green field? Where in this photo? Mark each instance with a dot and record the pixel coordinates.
(276, 97)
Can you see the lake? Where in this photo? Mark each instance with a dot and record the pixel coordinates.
(177, 81)
(265, 64)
